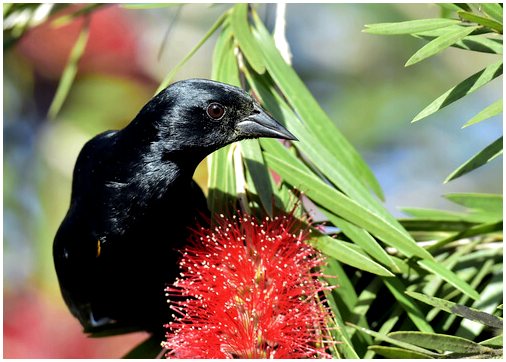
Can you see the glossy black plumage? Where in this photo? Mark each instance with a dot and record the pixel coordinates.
(133, 201)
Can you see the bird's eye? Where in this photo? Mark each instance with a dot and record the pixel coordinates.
(215, 111)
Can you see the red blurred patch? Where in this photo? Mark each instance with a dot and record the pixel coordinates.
(37, 327)
(111, 46)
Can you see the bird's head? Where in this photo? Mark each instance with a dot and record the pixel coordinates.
(199, 116)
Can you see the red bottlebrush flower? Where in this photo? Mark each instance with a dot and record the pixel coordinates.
(248, 290)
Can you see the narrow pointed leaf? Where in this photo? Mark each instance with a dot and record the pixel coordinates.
(489, 23)
(481, 158)
(397, 289)
(476, 42)
(496, 341)
(439, 44)
(493, 110)
(295, 173)
(398, 353)
(342, 252)
(70, 71)
(393, 341)
(242, 32)
(310, 111)
(466, 87)
(494, 10)
(363, 239)
(458, 309)
(448, 276)
(346, 346)
(409, 27)
(491, 203)
(441, 342)
(252, 154)
(221, 183)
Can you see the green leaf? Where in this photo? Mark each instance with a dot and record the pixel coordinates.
(409, 27)
(173, 72)
(221, 182)
(313, 150)
(490, 203)
(393, 341)
(494, 10)
(397, 289)
(242, 32)
(475, 42)
(440, 43)
(363, 239)
(458, 309)
(441, 342)
(341, 333)
(448, 276)
(464, 88)
(496, 341)
(296, 173)
(149, 348)
(70, 71)
(313, 116)
(481, 158)
(386, 327)
(341, 251)
(490, 111)
(489, 23)
(396, 353)
(225, 67)
(252, 154)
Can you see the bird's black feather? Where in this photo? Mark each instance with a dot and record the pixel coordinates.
(133, 202)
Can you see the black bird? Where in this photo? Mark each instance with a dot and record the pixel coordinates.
(133, 201)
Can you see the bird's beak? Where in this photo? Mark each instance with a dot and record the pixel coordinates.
(260, 124)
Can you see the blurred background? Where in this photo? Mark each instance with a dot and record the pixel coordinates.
(359, 79)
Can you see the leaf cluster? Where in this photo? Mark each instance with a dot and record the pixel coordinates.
(425, 286)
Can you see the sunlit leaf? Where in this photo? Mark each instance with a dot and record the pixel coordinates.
(496, 341)
(398, 353)
(386, 338)
(448, 276)
(441, 342)
(363, 239)
(315, 119)
(70, 71)
(298, 175)
(466, 87)
(494, 10)
(493, 110)
(491, 43)
(242, 32)
(486, 155)
(439, 44)
(490, 23)
(342, 252)
(221, 182)
(460, 310)
(252, 154)
(490, 203)
(409, 27)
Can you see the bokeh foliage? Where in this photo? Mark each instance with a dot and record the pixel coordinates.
(432, 275)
